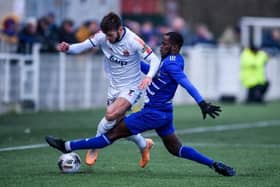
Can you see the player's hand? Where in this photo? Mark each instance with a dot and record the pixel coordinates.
(145, 83)
(62, 47)
(208, 108)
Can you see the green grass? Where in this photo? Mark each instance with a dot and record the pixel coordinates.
(254, 152)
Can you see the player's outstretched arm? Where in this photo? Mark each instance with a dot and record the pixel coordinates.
(182, 79)
(208, 108)
(75, 48)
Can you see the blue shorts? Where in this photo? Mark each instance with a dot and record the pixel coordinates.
(148, 119)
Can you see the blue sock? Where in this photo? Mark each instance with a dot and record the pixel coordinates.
(192, 154)
(90, 143)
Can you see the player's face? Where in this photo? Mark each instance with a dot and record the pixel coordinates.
(165, 47)
(113, 36)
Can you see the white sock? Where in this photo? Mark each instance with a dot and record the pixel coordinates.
(139, 140)
(67, 146)
(104, 126)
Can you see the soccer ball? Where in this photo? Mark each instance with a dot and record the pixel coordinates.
(69, 162)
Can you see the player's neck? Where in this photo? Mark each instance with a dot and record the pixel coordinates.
(174, 53)
(122, 32)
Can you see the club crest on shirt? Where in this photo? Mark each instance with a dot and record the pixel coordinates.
(146, 49)
(125, 53)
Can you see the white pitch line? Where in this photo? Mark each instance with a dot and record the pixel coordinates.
(228, 127)
(216, 128)
(235, 145)
(34, 146)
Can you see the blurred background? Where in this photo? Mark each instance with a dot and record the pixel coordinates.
(34, 76)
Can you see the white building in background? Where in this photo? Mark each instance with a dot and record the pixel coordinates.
(77, 10)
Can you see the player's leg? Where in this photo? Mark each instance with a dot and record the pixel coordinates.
(103, 126)
(146, 119)
(250, 95)
(119, 131)
(118, 109)
(107, 123)
(115, 111)
(174, 146)
(264, 89)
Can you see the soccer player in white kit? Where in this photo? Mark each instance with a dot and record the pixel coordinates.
(123, 52)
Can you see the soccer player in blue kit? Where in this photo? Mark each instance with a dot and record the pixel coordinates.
(157, 112)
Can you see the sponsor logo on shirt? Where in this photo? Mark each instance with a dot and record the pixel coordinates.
(117, 60)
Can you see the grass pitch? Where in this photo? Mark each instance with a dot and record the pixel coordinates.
(254, 151)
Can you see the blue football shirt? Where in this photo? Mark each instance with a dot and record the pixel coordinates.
(163, 87)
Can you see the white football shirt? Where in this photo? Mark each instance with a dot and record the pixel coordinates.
(122, 59)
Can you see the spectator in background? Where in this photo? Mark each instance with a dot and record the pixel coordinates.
(89, 28)
(47, 35)
(162, 29)
(134, 26)
(148, 34)
(180, 25)
(271, 41)
(252, 75)
(28, 36)
(203, 35)
(93, 27)
(229, 37)
(9, 29)
(52, 22)
(66, 31)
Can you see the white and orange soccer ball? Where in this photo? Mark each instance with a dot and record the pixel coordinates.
(69, 162)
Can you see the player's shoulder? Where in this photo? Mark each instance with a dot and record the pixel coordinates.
(137, 43)
(129, 33)
(133, 38)
(98, 36)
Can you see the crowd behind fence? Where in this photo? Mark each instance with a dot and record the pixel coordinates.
(65, 82)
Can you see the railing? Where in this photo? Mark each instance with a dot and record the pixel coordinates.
(19, 78)
(66, 82)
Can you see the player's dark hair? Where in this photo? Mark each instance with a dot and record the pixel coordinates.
(110, 22)
(175, 38)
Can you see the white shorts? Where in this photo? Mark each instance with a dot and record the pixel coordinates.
(132, 95)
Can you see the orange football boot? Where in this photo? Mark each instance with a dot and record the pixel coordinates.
(145, 158)
(91, 157)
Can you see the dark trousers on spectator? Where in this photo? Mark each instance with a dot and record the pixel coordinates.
(256, 93)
